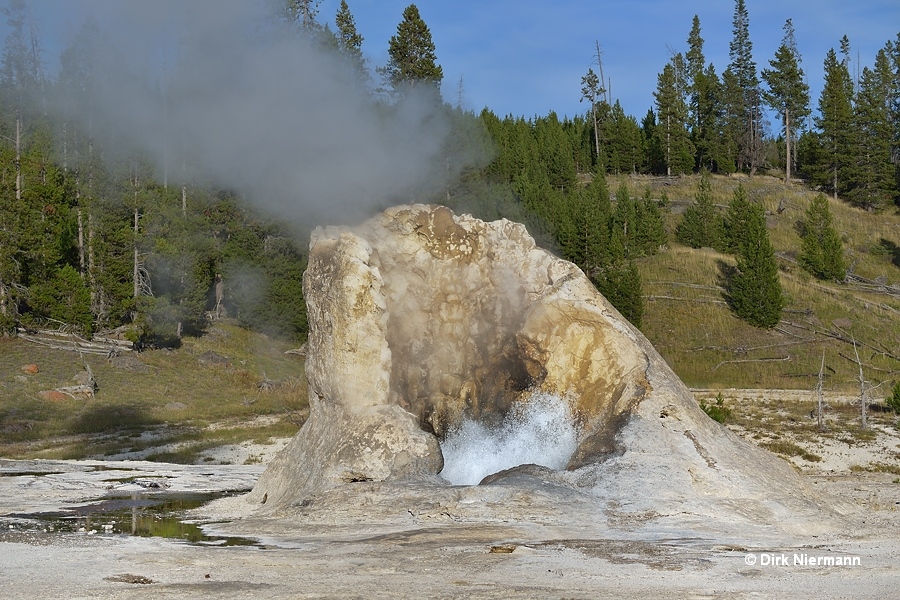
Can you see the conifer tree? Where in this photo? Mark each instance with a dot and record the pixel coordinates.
(411, 53)
(835, 125)
(671, 111)
(651, 227)
(754, 289)
(652, 149)
(587, 243)
(701, 225)
(736, 221)
(822, 252)
(788, 93)
(592, 90)
(624, 142)
(872, 183)
(621, 285)
(703, 102)
(350, 42)
(748, 109)
(695, 65)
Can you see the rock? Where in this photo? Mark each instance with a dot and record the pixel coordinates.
(176, 406)
(129, 362)
(212, 358)
(83, 378)
(419, 318)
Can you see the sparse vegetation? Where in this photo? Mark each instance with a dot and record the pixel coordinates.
(718, 411)
(177, 400)
(893, 401)
(790, 449)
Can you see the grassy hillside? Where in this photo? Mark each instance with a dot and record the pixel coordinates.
(232, 386)
(227, 387)
(687, 319)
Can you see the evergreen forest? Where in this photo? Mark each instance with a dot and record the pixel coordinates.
(98, 235)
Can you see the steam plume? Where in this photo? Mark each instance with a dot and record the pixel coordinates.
(217, 89)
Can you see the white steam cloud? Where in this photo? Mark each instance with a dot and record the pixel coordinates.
(215, 89)
(539, 431)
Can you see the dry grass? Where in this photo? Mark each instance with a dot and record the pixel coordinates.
(175, 398)
(688, 321)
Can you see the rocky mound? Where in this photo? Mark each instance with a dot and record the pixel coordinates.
(420, 318)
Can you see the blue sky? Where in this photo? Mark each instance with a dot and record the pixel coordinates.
(527, 57)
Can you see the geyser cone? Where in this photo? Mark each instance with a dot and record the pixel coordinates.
(420, 319)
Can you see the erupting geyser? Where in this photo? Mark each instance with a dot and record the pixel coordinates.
(441, 344)
(539, 431)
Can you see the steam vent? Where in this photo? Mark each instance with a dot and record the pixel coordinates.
(421, 320)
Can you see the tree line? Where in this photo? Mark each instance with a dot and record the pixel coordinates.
(96, 239)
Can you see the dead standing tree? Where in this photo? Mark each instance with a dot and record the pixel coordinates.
(820, 408)
(865, 388)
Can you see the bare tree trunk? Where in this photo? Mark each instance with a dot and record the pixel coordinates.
(184, 201)
(137, 271)
(862, 389)
(4, 293)
(18, 158)
(668, 149)
(835, 176)
(819, 410)
(91, 267)
(80, 237)
(787, 141)
(96, 308)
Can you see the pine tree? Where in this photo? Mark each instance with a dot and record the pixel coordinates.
(701, 225)
(737, 220)
(822, 252)
(350, 42)
(651, 229)
(748, 113)
(788, 93)
(872, 183)
(754, 289)
(732, 122)
(302, 14)
(652, 149)
(695, 65)
(703, 102)
(411, 53)
(592, 90)
(587, 242)
(835, 125)
(620, 283)
(672, 115)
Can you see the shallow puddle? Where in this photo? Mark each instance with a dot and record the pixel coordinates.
(156, 514)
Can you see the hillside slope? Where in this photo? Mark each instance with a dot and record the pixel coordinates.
(688, 320)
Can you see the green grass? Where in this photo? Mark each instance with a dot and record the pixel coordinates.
(686, 318)
(688, 321)
(176, 398)
(790, 449)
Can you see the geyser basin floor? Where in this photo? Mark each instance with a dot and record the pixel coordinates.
(362, 542)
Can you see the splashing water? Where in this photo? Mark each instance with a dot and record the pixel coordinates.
(540, 431)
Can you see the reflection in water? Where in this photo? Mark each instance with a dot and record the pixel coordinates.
(144, 514)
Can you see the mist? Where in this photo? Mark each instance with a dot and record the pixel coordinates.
(218, 92)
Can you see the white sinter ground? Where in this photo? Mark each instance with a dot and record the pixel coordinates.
(539, 431)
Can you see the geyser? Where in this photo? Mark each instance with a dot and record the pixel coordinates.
(427, 327)
(540, 431)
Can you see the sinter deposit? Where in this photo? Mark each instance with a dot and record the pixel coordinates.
(428, 328)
